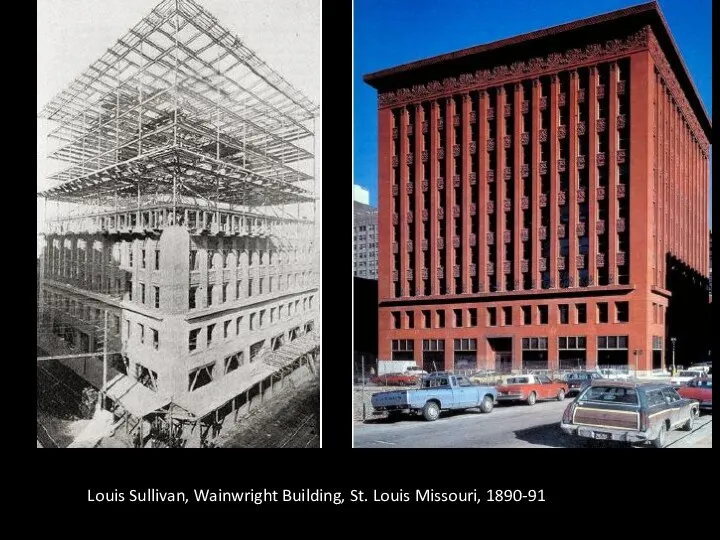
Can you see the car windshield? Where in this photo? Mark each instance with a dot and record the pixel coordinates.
(688, 374)
(610, 394)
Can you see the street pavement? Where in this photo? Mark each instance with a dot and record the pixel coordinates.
(507, 426)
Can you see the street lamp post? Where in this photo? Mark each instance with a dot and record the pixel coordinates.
(673, 340)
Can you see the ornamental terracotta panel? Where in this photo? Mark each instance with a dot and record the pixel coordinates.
(456, 180)
(524, 138)
(601, 193)
(600, 159)
(441, 182)
(491, 144)
(410, 246)
(562, 132)
(473, 178)
(543, 135)
(601, 125)
(395, 161)
(525, 170)
(409, 188)
(581, 195)
(621, 121)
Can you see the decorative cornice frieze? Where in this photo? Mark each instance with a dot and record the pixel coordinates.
(536, 66)
(673, 87)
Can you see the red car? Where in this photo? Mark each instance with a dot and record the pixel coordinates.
(700, 389)
(530, 388)
(395, 379)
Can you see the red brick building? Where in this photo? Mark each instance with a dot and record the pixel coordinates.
(543, 200)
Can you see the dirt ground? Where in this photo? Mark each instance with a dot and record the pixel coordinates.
(369, 391)
(289, 420)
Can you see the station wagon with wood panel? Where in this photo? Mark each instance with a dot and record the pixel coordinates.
(629, 412)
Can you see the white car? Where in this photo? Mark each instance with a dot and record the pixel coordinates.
(417, 371)
(614, 374)
(684, 377)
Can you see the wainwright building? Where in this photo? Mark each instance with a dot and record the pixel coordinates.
(183, 243)
(543, 201)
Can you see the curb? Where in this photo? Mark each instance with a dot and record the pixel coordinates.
(700, 438)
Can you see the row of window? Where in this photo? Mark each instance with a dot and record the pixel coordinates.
(255, 287)
(257, 321)
(204, 375)
(223, 258)
(464, 318)
(141, 334)
(86, 312)
(527, 344)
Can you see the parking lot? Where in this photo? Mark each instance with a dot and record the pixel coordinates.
(507, 426)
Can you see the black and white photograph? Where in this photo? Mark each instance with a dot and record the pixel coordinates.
(178, 224)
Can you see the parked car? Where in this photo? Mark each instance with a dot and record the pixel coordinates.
(579, 380)
(683, 377)
(396, 379)
(437, 392)
(530, 388)
(628, 411)
(699, 389)
(614, 374)
(416, 371)
(483, 377)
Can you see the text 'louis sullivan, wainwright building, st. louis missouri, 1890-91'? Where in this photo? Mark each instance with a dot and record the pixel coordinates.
(543, 201)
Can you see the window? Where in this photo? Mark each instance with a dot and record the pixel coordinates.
(458, 318)
(571, 343)
(210, 295)
(260, 286)
(611, 342)
(255, 349)
(192, 341)
(410, 318)
(252, 321)
(440, 319)
(143, 259)
(395, 318)
(272, 315)
(507, 315)
(564, 310)
(534, 344)
(472, 316)
(200, 377)
(543, 314)
(156, 338)
(141, 329)
(142, 293)
(191, 297)
(157, 259)
(492, 316)
(226, 329)
(622, 312)
(526, 315)
(127, 324)
(602, 312)
(465, 344)
(426, 319)
(581, 310)
(238, 289)
(261, 320)
(433, 344)
(233, 362)
(210, 330)
(193, 259)
(250, 284)
(238, 323)
(156, 291)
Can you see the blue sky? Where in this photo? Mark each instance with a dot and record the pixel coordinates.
(388, 33)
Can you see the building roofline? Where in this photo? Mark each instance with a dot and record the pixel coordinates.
(649, 9)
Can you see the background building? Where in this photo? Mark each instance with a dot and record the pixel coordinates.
(183, 247)
(543, 200)
(361, 195)
(365, 241)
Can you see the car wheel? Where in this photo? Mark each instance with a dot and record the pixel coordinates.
(487, 404)
(431, 411)
(659, 442)
(532, 398)
(561, 395)
(691, 421)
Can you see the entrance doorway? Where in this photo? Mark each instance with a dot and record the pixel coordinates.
(502, 351)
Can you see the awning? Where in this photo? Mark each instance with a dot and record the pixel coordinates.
(135, 398)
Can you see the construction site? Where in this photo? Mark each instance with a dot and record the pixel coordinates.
(178, 280)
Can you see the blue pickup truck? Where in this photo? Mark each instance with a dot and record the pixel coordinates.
(437, 392)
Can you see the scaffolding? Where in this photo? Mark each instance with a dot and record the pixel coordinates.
(178, 123)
